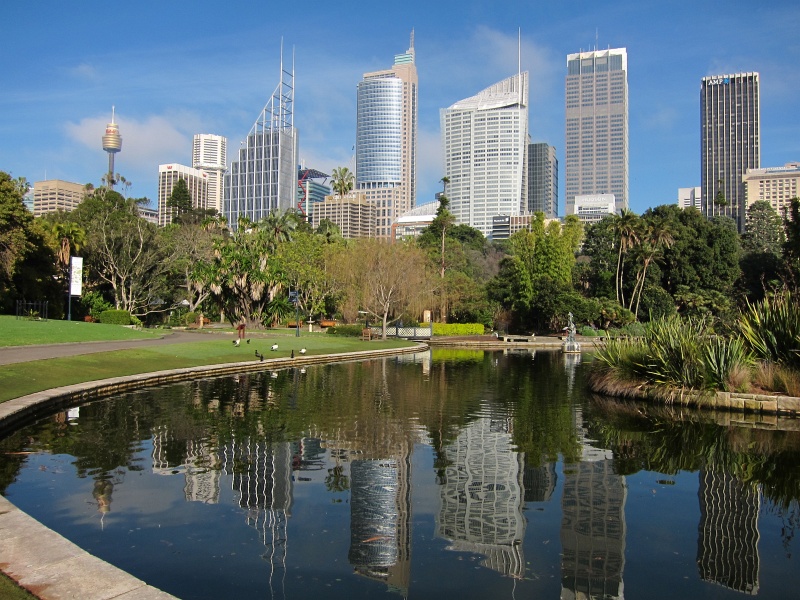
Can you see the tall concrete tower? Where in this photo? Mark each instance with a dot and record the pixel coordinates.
(597, 126)
(112, 143)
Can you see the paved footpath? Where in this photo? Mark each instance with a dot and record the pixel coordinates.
(18, 354)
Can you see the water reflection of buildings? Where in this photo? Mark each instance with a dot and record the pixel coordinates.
(592, 527)
(380, 520)
(199, 465)
(727, 542)
(482, 496)
(539, 483)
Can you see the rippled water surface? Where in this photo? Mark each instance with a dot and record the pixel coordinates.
(451, 473)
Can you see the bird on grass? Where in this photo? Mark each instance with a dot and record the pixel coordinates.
(292, 353)
(248, 340)
(302, 350)
(274, 347)
(235, 342)
(259, 356)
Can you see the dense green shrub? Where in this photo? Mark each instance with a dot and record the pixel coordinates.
(458, 329)
(346, 330)
(588, 331)
(189, 318)
(115, 317)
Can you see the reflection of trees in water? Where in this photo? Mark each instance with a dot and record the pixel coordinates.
(669, 440)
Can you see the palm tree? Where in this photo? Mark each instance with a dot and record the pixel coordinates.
(278, 226)
(625, 230)
(342, 180)
(658, 235)
(69, 237)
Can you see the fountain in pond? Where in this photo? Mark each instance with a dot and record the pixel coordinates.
(571, 346)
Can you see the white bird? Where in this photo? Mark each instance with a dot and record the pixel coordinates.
(235, 342)
(302, 350)
(274, 347)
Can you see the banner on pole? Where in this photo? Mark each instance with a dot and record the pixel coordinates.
(76, 276)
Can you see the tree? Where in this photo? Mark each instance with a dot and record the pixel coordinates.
(189, 250)
(384, 280)
(180, 200)
(791, 248)
(306, 266)
(15, 221)
(626, 237)
(245, 274)
(764, 231)
(762, 262)
(656, 236)
(599, 250)
(123, 250)
(342, 181)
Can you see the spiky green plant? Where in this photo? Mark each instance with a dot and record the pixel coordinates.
(727, 362)
(771, 329)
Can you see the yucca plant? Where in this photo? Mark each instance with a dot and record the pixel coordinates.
(675, 352)
(728, 363)
(771, 329)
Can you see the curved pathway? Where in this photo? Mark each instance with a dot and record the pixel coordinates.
(17, 354)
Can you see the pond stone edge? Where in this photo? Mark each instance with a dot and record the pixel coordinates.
(781, 406)
(46, 563)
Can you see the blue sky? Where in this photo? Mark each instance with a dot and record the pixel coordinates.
(173, 69)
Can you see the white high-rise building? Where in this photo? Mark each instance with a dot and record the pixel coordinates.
(210, 154)
(596, 143)
(486, 153)
(168, 176)
(690, 197)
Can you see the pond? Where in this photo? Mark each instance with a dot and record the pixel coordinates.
(451, 472)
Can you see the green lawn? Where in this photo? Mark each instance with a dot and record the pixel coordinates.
(9, 590)
(25, 332)
(26, 378)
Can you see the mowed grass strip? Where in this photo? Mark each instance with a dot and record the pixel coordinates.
(26, 332)
(26, 378)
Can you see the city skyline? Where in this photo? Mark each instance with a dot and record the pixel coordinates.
(169, 83)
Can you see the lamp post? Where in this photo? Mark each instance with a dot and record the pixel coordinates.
(294, 300)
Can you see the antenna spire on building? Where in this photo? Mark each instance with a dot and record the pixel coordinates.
(112, 143)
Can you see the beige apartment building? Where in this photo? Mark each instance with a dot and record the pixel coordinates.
(354, 215)
(56, 194)
(776, 185)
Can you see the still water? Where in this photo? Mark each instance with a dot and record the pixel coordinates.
(448, 473)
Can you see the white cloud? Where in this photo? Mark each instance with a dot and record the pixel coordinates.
(84, 71)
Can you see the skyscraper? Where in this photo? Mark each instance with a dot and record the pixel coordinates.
(597, 126)
(210, 155)
(263, 178)
(485, 152)
(386, 139)
(542, 180)
(729, 142)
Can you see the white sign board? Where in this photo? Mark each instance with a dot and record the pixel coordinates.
(76, 276)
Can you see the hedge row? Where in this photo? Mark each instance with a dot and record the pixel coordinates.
(458, 329)
(115, 317)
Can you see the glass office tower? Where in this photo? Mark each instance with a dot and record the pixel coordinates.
(263, 178)
(386, 139)
(729, 142)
